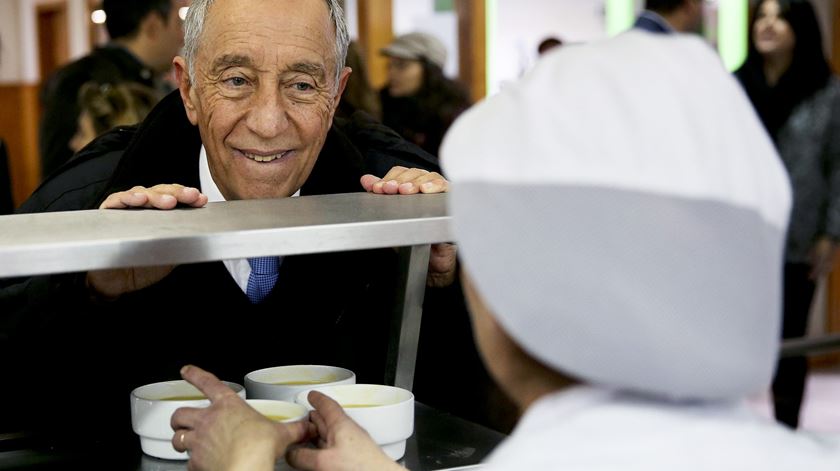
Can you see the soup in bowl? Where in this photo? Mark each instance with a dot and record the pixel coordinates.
(385, 412)
(283, 383)
(152, 407)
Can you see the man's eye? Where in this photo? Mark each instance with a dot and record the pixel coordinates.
(303, 87)
(236, 81)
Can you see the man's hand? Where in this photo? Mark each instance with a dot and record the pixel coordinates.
(229, 434)
(822, 257)
(442, 264)
(111, 284)
(342, 444)
(156, 197)
(405, 181)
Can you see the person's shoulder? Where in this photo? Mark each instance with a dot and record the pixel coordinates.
(379, 145)
(79, 183)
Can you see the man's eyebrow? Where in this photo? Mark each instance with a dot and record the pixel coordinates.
(311, 68)
(231, 60)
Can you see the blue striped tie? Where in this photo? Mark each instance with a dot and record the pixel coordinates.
(264, 273)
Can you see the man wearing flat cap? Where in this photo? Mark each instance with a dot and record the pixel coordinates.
(419, 101)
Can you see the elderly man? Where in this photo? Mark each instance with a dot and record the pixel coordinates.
(645, 302)
(259, 83)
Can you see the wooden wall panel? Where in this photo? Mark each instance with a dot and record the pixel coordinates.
(472, 46)
(375, 32)
(835, 35)
(19, 128)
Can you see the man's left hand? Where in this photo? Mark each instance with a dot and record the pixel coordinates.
(405, 181)
(229, 434)
(442, 264)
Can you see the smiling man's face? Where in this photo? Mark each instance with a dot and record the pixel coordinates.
(264, 93)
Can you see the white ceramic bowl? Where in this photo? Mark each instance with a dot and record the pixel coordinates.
(385, 412)
(279, 411)
(152, 407)
(283, 383)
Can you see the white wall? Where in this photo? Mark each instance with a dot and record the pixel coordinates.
(419, 15)
(9, 36)
(522, 24)
(351, 12)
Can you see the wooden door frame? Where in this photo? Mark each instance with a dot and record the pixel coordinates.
(472, 46)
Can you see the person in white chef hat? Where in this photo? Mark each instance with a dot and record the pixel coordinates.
(621, 216)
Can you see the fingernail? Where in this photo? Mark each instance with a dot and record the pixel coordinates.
(168, 198)
(428, 186)
(407, 186)
(184, 370)
(138, 195)
(394, 182)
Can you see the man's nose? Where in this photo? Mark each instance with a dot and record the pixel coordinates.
(268, 117)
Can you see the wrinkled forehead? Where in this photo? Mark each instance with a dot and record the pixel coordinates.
(269, 32)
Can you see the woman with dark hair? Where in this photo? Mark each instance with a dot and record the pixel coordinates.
(419, 102)
(797, 98)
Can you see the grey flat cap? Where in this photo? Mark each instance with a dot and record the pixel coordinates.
(417, 46)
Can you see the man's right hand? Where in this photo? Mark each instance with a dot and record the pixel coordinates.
(156, 197)
(111, 284)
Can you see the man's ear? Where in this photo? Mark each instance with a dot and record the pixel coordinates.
(186, 88)
(342, 84)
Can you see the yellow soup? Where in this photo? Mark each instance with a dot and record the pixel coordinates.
(277, 418)
(184, 398)
(305, 382)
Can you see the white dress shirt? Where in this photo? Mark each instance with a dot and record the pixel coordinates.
(585, 428)
(239, 269)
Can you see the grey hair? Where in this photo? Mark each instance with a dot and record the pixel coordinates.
(197, 14)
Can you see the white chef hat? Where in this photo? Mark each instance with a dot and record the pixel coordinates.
(622, 212)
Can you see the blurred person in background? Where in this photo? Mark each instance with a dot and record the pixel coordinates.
(419, 102)
(358, 95)
(797, 98)
(106, 106)
(669, 16)
(145, 37)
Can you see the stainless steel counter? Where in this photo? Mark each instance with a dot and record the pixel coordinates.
(35, 244)
(77, 241)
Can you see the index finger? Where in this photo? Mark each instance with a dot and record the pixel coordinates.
(206, 382)
(327, 407)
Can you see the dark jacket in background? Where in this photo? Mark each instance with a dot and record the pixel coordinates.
(424, 119)
(807, 137)
(60, 98)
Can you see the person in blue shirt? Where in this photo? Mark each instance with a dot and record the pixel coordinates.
(669, 16)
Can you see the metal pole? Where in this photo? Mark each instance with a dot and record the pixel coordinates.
(810, 346)
(405, 326)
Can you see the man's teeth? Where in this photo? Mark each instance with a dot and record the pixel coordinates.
(263, 158)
